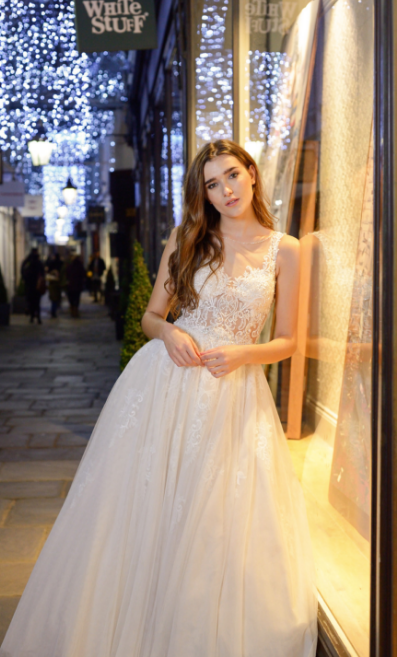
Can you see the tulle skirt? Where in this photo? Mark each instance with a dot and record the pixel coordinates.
(184, 533)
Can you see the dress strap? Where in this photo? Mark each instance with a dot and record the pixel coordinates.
(274, 247)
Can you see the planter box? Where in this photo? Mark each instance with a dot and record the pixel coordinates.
(19, 305)
(4, 314)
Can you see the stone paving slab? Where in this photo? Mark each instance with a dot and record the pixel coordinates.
(24, 489)
(21, 543)
(14, 440)
(14, 577)
(33, 512)
(42, 440)
(5, 508)
(38, 470)
(42, 454)
(7, 610)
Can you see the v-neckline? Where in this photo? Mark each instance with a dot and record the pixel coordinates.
(249, 269)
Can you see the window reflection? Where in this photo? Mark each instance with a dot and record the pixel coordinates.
(308, 98)
(214, 71)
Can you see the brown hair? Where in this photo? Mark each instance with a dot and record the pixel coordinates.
(198, 240)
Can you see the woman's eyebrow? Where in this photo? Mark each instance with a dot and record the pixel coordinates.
(224, 173)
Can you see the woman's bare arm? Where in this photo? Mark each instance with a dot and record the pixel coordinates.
(179, 344)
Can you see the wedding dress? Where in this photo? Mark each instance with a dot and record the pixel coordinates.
(184, 533)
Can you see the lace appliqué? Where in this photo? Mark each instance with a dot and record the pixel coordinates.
(233, 310)
(195, 436)
(263, 450)
(240, 479)
(128, 412)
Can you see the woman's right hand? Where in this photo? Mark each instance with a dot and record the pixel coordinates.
(181, 347)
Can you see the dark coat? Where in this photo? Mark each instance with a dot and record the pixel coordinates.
(32, 268)
(75, 274)
(97, 266)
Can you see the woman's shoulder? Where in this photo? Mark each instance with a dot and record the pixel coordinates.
(287, 243)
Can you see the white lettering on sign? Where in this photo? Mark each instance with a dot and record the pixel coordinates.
(265, 17)
(121, 16)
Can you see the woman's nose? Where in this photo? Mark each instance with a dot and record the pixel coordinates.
(227, 191)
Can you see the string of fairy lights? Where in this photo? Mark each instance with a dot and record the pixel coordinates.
(44, 78)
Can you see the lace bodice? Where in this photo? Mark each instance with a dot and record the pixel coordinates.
(233, 309)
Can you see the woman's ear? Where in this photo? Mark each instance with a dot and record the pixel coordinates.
(252, 172)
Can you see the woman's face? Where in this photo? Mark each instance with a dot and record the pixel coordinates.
(228, 185)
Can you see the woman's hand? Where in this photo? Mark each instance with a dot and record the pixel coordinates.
(223, 360)
(181, 347)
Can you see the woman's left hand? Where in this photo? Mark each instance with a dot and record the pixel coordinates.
(223, 360)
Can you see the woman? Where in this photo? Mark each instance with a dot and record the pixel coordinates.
(184, 533)
(75, 274)
(54, 266)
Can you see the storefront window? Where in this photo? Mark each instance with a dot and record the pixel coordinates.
(214, 70)
(308, 111)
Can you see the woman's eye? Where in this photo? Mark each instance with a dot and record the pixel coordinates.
(211, 186)
(234, 175)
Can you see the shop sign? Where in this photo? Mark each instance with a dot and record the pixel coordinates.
(270, 17)
(33, 205)
(96, 214)
(108, 26)
(12, 194)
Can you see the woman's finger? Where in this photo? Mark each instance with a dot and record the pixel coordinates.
(193, 356)
(219, 373)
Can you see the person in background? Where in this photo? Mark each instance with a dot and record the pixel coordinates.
(96, 267)
(54, 266)
(75, 275)
(32, 271)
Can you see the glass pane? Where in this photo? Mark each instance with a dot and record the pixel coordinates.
(214, 70)
(308, 112)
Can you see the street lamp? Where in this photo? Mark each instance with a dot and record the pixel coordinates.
(62, 211)
(69, 193)
(40, 148)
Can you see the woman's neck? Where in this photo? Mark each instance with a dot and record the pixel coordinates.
(242, 228)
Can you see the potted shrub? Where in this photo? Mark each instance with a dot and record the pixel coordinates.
(140, 291)
(19, 306)
(4, 305)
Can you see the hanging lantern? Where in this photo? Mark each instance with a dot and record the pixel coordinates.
(69, 193)
(40, 148)
(62, 211)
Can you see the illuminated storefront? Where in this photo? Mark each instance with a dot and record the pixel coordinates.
(305, 87)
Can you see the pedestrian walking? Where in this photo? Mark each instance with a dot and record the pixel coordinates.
(54, 268)
(96, 267)
(75, 275)
(32, 271)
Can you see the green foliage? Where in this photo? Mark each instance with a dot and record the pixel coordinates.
(140, 291)
(21, 291)
(3, 291)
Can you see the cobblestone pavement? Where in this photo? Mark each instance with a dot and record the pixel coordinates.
(54, 380)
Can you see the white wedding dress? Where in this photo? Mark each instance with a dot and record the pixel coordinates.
(184, 533)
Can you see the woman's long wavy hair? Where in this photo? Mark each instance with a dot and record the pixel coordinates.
(198, 239)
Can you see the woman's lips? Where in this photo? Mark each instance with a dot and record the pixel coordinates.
(232, 202)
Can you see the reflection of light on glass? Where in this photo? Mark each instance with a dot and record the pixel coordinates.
(54, 179)
(278, 202)
(304, 27)
(214, 73)
(255, 149)
(178, 171)
(270, 101)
